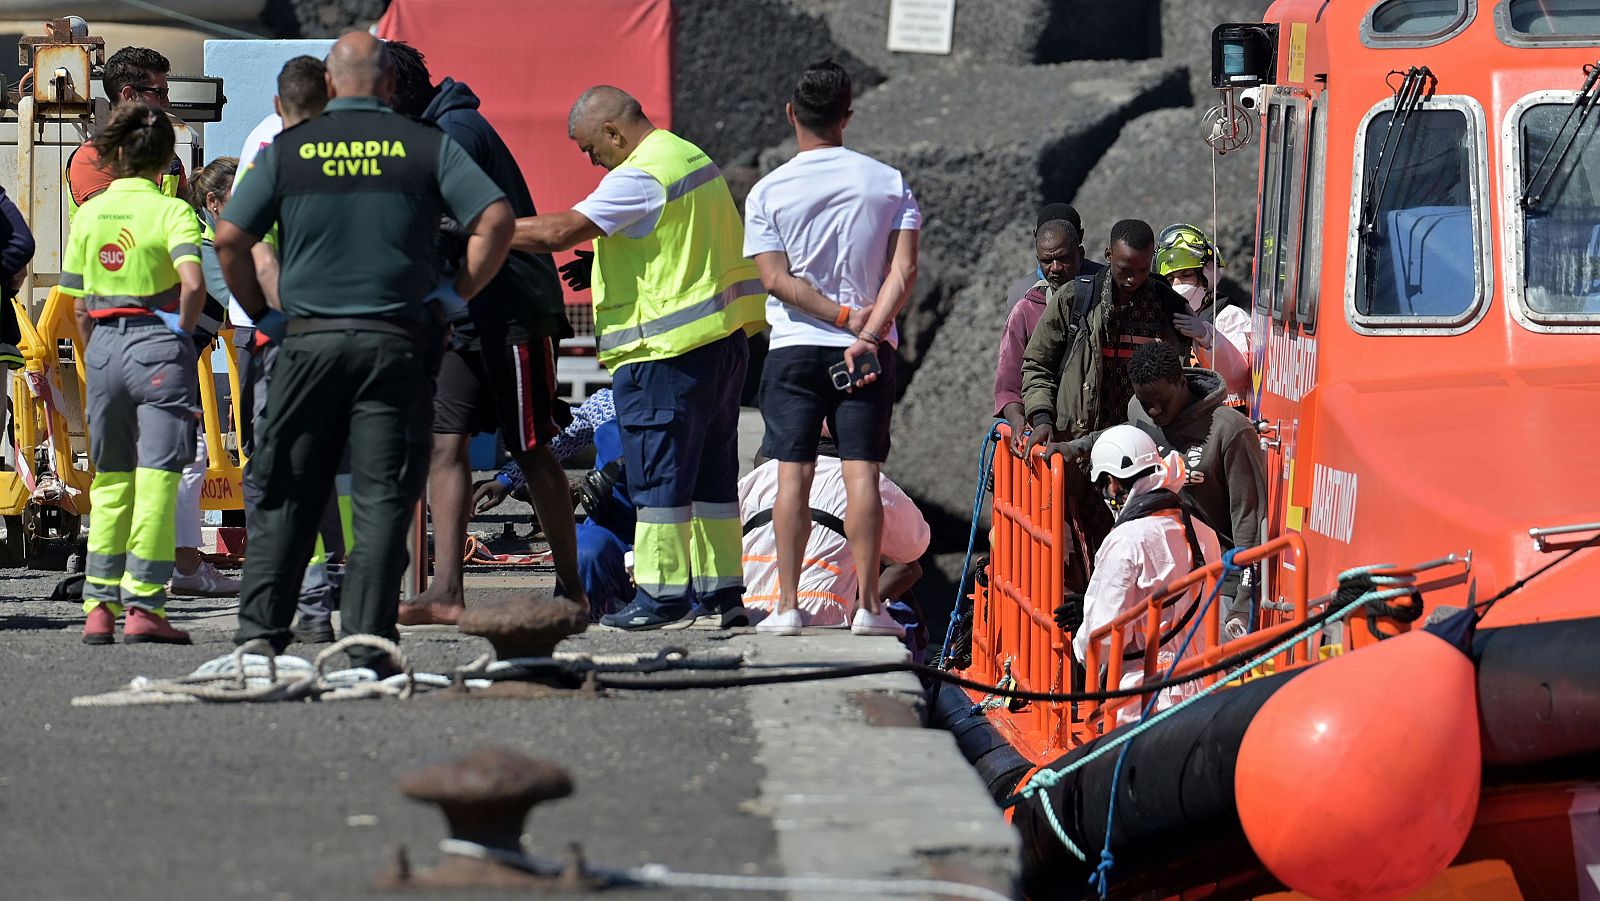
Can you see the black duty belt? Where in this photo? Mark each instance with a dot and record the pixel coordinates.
(312, 325)
(820, 517)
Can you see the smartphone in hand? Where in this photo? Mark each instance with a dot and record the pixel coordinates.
(843, 379)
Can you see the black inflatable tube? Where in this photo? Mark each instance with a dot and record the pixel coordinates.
(1538, 693)
(998, 764)
(1539, 702)
(1175, 800)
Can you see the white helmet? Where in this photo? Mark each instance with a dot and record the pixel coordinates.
(1122, 451)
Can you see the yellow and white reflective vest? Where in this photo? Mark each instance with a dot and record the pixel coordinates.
(687, 283)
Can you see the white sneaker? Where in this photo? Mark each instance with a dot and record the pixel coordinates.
(880, 623)
(787, 622)
(204, 582)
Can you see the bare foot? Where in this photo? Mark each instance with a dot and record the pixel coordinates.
(432, 608)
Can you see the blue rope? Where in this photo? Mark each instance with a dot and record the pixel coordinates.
(985, 464)
(1100, 879)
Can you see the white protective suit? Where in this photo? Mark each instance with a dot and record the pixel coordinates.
(828, 581)
(1227, 351)
(1137, 555)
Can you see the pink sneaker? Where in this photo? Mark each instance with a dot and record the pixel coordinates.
(145, 627)
(101, 626)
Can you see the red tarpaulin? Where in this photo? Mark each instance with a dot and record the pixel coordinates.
(527, 60)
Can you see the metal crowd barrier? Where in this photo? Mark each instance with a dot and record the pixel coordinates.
(49, 434)
(1014, 635)
(1015, 640)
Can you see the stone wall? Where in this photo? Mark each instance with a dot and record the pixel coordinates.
(325, 18)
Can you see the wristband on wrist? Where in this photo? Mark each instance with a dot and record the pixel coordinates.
(869, 337)
(1040, 418)
(840, 320)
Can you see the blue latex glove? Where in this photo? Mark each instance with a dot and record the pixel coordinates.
(453, 304)
(273, 324)
(173, 323)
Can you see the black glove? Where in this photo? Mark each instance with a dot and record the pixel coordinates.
(1069, 616)
(578, 272)
(450, 242)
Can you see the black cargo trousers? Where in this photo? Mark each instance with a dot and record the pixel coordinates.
(373, 391)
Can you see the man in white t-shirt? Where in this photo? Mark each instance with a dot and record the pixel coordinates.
(834, 235)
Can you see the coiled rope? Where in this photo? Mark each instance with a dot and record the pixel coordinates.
(253, 674)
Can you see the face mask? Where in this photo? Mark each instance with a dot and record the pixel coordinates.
(1194, 294)
(1112, 499)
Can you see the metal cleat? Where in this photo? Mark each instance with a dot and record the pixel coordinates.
(485, 798)
(525, 625)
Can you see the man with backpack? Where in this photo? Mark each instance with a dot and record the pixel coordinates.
(1075, 369)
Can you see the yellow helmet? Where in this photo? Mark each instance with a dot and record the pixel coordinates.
(1181, 247)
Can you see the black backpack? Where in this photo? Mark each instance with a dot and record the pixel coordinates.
(1084, 297)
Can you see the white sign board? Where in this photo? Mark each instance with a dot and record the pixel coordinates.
(921, 26)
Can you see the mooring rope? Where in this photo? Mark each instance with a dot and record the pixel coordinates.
(659, 875)
(251, 673)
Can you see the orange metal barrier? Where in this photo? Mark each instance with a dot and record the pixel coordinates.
(1014, 634)
(1015, 639)
(1013, 630)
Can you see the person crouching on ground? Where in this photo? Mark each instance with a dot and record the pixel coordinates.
(133, 263)
(1156, 538)
(827, 593)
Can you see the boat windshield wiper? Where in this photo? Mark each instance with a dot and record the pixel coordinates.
(1561, 144)
(1415, 87)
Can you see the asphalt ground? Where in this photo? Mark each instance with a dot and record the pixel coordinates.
(299, 800)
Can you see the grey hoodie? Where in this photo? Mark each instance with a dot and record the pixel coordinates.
(1227, 471)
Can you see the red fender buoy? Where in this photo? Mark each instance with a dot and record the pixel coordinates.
(1360, 778)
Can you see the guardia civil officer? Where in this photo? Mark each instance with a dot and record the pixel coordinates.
(133, 262)
(357, 193)
(674, 300)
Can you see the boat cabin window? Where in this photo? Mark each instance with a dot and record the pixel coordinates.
(1419, 229)
(1309, 292)
(1283, 202)
(1267, 230)
(1546, 22)
(1415, 23)
(1560, 211)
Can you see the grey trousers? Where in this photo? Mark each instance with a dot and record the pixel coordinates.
(140, 380)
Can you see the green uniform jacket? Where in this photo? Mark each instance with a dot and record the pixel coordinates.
(1065, 381)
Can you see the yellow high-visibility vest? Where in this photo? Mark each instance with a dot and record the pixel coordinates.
(687, 283)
